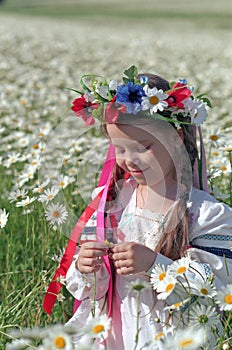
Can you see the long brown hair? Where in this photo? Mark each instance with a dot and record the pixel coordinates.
(175, 238)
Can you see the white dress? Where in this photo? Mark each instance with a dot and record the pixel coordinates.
(210, 226)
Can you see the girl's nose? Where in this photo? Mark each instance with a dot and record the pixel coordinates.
(132, 159)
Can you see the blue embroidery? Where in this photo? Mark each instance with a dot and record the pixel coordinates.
(126, 220)
(217, 251)
(217, 237)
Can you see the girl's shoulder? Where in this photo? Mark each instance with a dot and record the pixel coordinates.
(206, 212)
(203, 200)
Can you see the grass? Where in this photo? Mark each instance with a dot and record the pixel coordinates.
(197, 12)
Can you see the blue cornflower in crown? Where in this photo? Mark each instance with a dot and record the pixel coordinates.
(106, 101)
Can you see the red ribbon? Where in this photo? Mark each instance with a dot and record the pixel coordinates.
(55, 285)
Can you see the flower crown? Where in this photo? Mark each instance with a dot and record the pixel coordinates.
(106, 101)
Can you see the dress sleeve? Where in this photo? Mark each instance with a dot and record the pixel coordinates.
(211, 237)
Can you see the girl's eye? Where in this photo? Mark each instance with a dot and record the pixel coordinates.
(143, 149)
(119, 150)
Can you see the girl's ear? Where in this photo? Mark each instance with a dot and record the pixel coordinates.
(180, 132)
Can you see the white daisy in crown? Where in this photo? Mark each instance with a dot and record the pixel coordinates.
(154, 99)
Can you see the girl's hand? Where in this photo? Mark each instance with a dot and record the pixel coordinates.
(90, 258)
(131, 257)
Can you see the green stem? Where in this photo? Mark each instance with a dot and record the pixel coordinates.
(137, 320)
(94, 295)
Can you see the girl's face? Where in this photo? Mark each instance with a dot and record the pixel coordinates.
(144, 152)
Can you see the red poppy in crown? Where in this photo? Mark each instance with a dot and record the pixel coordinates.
(178, 94)
(83, 108)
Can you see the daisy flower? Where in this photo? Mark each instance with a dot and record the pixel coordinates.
(56, 214)
(157, 275)
(13, 158)
(27, 175)
(215, 136)
(203, 316)
(49, 194)
(224, 297)
(203, 289)
(179, 267)
(64, 181)
(188, 338)
(138, 286)
(197, 110)
(18, 344)
(154, 99)
(17, 194)
(25, 201)
(98, 327)
(3, 217)
(58, 339)
(40, 188)
(23, 141)
(166, 287)
(176, 306)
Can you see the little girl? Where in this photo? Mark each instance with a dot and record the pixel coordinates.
(153, 212)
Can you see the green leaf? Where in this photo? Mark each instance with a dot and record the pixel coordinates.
(79, 92)
(131, 73)
(205, 99)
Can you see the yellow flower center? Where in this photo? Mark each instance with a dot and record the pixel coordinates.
(40, 189)
(153, 100)
(177, 304)
(181, 269)
(213, 137)
(161, 276)
(40, 134)
(23, 102)
(59, 342)
(204, 291)
(98, 328)
(215, 153)
(184, 343)
(228, 149)
(223, 168)
(169, 287)
(35, 146)
(228, 299)
(62, 183)
(158, 336)
(49, 196)
(56, 214)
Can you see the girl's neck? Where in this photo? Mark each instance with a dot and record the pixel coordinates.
(156, 199)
